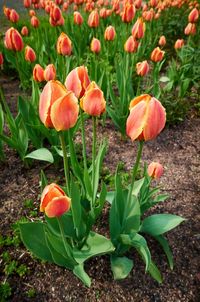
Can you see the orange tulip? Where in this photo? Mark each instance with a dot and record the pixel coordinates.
(13, 40)
(138, 29)
(190, 29)
(193, 16)
(27, 3)
(13, 17)
(34, 21)
(179, 44)
(131, 45)
(148, 15)
(58, 108)
(64, 45)
(142, 68)
(157, 55)
(95, 45)
(77, 81)
(24, 31)
(128, 13)
(109, 33)
(78, 19)
(50, 72)
(6, 11)
(147, 118)
(162, 41)
(54, 201)
(38, 73)
(31, 13)
(155, 170)
(30, 55)
(93, 19)
(93, 102)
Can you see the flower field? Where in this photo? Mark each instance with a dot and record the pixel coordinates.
(99, 150)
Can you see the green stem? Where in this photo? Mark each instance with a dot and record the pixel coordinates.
(135, 168)
(93, 152)
(83, 140)
(65, 160)
(64, 238)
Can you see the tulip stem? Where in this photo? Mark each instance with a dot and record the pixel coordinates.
(65, 243)
(135, 168)
(83, 139)
(94, 152)
(65, 160)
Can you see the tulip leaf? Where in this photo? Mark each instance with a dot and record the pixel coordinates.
(137, 186)
(110, 196)
(68, 225)
(41, 154)
(154, 272)
(165, 245)
(121, 267)
(33, 237)
(82, 275)
(160, 223)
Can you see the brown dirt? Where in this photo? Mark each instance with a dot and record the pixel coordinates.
(178, 149)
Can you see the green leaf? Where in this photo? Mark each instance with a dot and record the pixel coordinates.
(41, 154)
(33, 237)
(43, 180)
(154, 272)
(165, 245)
(121, 267)
(67, 222)
(76, 206)
(137, 186)
(164, 79)
(82, 275)
(110, 196)
(160, 223)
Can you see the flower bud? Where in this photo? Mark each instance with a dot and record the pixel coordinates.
(64, 45)
(77, 81)
(138, 29)
(50, 72)
(157, 55)
(78, 19)
(193, 16)
(13, 40)
(93, 19)
(179, 44)
(24, 31)
(30, 55)
(190, 29)
(27, 3)
(155, 170)
(38, 73)
(162, 41)
(142, 68)
(109, 33)
(1, 59)
(14, 17)
(128, 13)
(95, 45)
(35, 22)
(131, 45)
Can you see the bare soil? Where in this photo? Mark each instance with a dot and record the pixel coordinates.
(178, 149)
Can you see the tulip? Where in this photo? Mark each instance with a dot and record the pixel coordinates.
(30, 55)
(38, 73)
(31, 13)
(157, 55)
(148, 15)
(131, 45)
(93, 102)
(24, 31)
(193, 16)
(179, 44)
(95, 45)
(34, 21)
(128, 13)
(58, 108)
(77, 81)
(162, 41)
(64, 45)
(54, 201)
(190, 29)
(78, 19)
(13, 17)
(138, 29)
(109, 33)
(93, 19)
(27, 3)
(142, 68)
(13, 40)
(147, 118)
(50, 72)
(155, 170)
(1, 59)
(6, 11)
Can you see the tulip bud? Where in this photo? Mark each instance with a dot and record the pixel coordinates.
(6, 12)
(179, 44)
(50, 72)
(142, 68)
(30, 55)
(24, 31)
(110, 33)
(157, 55)
(64, 45)
(54, 201)
(78, 19)
(1, 59)
(34, 21)
(155, 170)
(77, 81)
(190, 29)
(128, 13)
(131, 45)
(147, 118)
(162, 41)
(138, 29)
(13, 40)
(193, 16)
(38, 73)
(93, 102)
(27, 3)
(93, 19)
(95, 45)
(14, 17)
(31, 13)
(58, 108)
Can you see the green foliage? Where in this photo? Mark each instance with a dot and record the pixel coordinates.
(5, 291)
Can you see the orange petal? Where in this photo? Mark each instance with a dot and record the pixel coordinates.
(64, 112)
(73, 82)
(51, 191)
(58, 206)
(93, 103)
(136, 100)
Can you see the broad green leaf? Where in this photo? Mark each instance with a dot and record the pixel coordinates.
(164, 79)
(160, 223)
(121, 267)
(110, 196)
(33, 237)
(82, 275)
(154, 272)
(76, 205)
(95, 245)
(67, 222)
(141, 246)
(165, 245)
(137, 186)
(41, 154)
(131, 222)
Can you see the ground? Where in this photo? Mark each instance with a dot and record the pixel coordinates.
(178, 149)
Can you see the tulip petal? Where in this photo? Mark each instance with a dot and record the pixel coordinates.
(51, 191)
(93, 103)
(136, 120)
(58, 206)
(73, 82)
(155, 121)
(64, 112)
